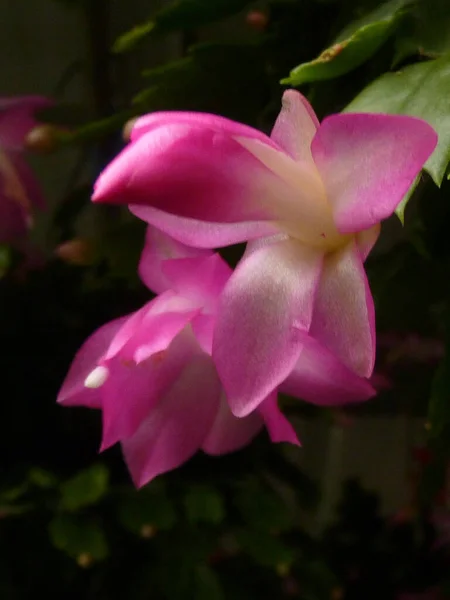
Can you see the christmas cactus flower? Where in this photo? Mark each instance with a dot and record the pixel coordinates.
(312, 196)
(19, 191)
(152, 375)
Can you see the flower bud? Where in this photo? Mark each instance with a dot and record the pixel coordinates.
(78, 252)
(85, 560)
(257, 20)
(42, 139)
(127, 128)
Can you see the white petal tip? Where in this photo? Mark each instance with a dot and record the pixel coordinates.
(96, 378)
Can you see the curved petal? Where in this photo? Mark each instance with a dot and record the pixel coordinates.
(158, 248)
(256, 342)
(229, 433)
(366, 240)
(368, 162)
(152, 328)
(203, 328)
(344, 315)
(17, 118)
(295, 126)
(203, 234)
(197, 172)
(177, 427)
(200, 279)
(73, 391)
(320, 378)
(132, 391)
(278, 427)
(148, 123)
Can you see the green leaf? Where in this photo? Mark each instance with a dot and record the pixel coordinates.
(353, 46)
(42, 478)
(147, 507)
(77, 536)
(426, 31)
(420, 90)
(400, 210)
(86, 488)
(265, 549)
(262, 508)
(207, 584)
(180, 14)
(204, 503)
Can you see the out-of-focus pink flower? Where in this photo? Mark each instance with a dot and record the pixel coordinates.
(19, 191)
(152, 375)
(311, 197)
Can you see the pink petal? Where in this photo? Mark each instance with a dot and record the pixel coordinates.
(203, 328)
(178, 426)
(199, 279)
(229, 433)
(278, 427)
(295, 126)
(17, 118)
(203, 234)
(368, 162)
(366, 240)
(196, 171)
(132, 391)
(19, 193)
(152, 121)
(256, 342)
(320, 378)
(73, 391)
(152, 328)
(344, 315)
(158, 248)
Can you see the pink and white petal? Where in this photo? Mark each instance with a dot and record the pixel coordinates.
(73, 391)
(320, 378)
(300, 197)
(148, 123)
(17, 118)
(203, 328)
(269, 297)
(368, 162)
(202, 280)
(203, 234)
(196, 172)
(132, 391)
(278, 427)
(344, 315)
(178, 426)
(295, 126)
(229, 433)
(158, 248)
(366, 240)
(152, 328)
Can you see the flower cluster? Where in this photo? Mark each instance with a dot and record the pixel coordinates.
(200, 366)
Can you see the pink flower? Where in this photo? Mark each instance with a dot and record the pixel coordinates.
(19, 191)
(152, 374)
(314, 193)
